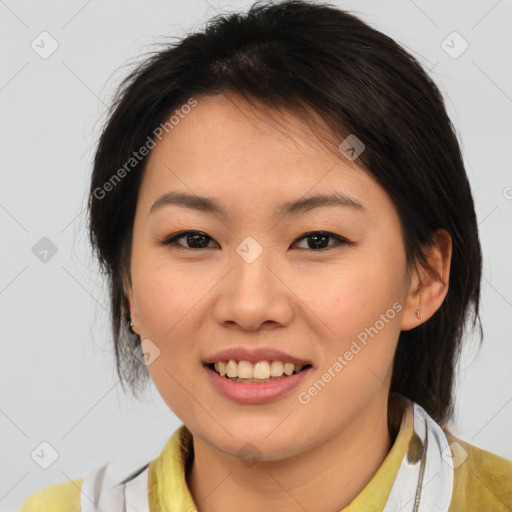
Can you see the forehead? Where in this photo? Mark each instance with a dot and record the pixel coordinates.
(231, 126)
(226, 148)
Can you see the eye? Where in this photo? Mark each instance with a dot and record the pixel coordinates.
(196, 239)
(199, 240)
(319, 238)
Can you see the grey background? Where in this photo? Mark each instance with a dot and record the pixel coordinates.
(56, 367)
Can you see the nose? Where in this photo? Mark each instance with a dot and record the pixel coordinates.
(254, 295)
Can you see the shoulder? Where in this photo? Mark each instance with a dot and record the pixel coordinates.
(63, 497)
(482, 480)
(113, 483)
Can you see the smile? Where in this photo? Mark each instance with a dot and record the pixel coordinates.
(255, 390)
(245, 371)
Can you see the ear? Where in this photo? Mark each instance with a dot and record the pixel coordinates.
(128, 292)
(429, 286)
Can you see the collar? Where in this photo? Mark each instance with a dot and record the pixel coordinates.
(167, 473)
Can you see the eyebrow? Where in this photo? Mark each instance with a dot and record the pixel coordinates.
(211, 205)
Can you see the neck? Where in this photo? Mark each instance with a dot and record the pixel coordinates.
(327, 477)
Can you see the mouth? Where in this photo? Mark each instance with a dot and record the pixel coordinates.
(263, 382)
(260, 373)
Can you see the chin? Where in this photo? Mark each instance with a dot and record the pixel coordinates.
(255, 446)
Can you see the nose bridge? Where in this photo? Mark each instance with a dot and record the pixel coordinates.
(251, 268)
(253, 294)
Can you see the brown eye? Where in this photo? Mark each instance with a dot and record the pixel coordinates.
(193, 239)
(319, 240)
(316, 240)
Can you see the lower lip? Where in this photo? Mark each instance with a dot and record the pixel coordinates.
(255, 392)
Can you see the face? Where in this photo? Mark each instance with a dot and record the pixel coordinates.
(248, 277)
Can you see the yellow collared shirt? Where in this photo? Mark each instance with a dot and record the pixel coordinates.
(483, 482)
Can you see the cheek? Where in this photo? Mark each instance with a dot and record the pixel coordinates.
(362, 310)
(361, 306)
(352, 298)
(169, 303)
(167, 294)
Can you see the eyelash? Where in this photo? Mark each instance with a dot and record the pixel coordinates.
(182, 234)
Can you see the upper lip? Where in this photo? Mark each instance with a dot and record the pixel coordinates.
(254, 355)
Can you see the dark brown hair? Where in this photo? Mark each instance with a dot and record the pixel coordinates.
(311, 59)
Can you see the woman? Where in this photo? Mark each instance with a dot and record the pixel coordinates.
(282, 211)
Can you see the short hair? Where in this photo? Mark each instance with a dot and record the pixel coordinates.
(324, 65)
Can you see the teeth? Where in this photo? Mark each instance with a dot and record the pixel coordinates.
(288, 368)
(276, 369)
(232, 368)
(261, 370)
(245, 370)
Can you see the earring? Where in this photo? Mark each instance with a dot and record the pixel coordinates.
(419, 306)
(130, 326)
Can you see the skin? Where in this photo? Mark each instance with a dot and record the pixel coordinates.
(309, 302)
